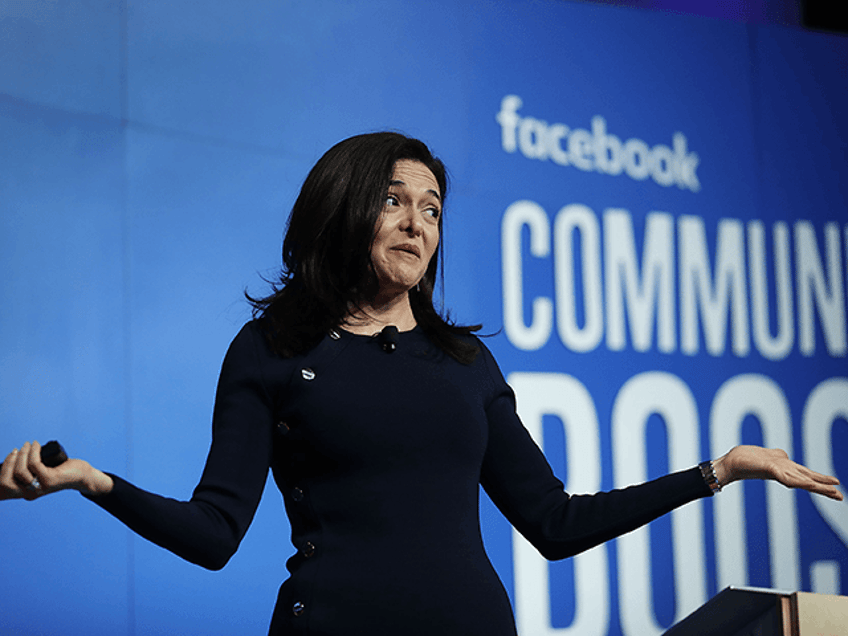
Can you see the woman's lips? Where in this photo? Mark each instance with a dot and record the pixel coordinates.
(409, 249)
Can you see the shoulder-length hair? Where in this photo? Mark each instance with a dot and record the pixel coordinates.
(327, 266)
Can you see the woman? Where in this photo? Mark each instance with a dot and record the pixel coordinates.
(380, 420)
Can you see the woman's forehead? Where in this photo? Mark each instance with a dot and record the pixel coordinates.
(414, 174)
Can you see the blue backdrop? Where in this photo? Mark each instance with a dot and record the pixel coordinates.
(648, 211)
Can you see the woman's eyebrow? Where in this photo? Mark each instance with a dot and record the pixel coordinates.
(398, 182)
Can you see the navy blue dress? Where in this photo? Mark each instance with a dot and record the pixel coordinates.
(379, 457)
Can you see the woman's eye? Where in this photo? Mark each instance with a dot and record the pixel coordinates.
(433, 212)
(391, 200)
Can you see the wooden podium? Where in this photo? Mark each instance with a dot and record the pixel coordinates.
(748, 611)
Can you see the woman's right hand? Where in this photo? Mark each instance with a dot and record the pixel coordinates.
(24, 476)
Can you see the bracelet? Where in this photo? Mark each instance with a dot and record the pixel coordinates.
(708, 473)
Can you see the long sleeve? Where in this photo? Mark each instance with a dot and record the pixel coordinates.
(208, 528)
(520, 482)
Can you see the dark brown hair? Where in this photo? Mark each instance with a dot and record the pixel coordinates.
(327, 248)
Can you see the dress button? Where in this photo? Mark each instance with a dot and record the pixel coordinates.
(283, 427)
(308, 549)
(297, 494)
(334, 334)
(297, 608)
(307, 373)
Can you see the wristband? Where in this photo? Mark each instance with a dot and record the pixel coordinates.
(708, 473)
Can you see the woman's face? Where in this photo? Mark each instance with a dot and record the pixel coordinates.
(408, 231)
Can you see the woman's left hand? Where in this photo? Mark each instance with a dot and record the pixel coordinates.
(755, 462)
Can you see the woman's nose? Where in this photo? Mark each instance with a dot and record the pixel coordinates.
(412, 222)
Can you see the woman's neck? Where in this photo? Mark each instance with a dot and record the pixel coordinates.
(371, 317)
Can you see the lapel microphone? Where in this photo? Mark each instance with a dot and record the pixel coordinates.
(389, 338)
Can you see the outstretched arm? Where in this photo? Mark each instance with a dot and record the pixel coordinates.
(208, 528)
(520, 482)
(755, 462)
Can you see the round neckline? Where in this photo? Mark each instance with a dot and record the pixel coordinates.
(344, 332)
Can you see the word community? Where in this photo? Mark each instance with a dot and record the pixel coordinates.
(597, 150)
(776, 294)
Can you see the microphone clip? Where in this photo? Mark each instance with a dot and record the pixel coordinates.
(389, 338)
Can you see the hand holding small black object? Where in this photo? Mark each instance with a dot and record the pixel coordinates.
(52, 454)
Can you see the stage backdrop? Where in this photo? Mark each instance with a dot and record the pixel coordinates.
(648, 214)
